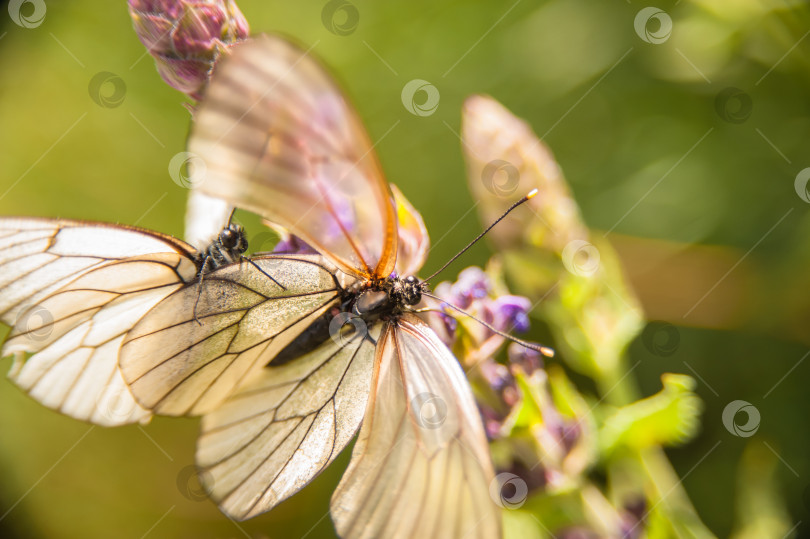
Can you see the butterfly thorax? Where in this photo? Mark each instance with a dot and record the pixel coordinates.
(227, 248)
(387, 297)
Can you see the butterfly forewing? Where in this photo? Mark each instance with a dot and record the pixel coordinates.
(276, 434)
(37, 256)
(421, 466)
(199, 344)
(277, 137)
(71, 290)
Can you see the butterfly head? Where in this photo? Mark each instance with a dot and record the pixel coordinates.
(233, 239)
(407, 290)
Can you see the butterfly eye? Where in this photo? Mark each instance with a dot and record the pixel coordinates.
(233, 237)
(226, 237)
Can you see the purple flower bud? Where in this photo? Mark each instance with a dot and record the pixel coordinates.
(186, 37)
(511, 313)
(188, 76)
(198, 31)
(169, 8)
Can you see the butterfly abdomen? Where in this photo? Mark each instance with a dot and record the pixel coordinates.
(317, 333)
(380, 301)
(307, 341)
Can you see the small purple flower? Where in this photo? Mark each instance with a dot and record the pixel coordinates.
(186, 37)
(497, 375)
(450, 325)
(474, 293)
(293, 245)
(511, 313)
(472, 284)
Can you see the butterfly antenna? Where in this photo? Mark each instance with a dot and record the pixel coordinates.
(531, 194)
(545, 350)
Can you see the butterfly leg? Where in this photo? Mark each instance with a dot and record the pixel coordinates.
(203, 269)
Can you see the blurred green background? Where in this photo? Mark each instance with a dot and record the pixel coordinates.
(693, 182)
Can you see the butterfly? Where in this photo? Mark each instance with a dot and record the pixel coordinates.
(70, 290)
(283, 391)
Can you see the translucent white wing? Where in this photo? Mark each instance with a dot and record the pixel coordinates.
(205, 218)
(274, 135)
(37, 256)
(277, 433)
(71, 290)
(421, 466)
(76, 334)
(176, 364)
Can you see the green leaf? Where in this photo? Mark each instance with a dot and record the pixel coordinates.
(669, 417)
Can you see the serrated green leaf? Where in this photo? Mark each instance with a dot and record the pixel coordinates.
(669, 417)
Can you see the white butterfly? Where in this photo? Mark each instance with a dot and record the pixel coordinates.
(281, 394)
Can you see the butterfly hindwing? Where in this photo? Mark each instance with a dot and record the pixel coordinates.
(71, 290)
(194, 348)
(276, 434)
(421, 465)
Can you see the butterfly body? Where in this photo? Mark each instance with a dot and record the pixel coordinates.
(226, 248)
(386, 297)
(369, 301)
